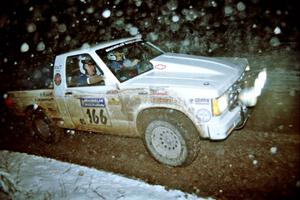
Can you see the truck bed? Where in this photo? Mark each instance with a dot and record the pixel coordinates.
(21, 100)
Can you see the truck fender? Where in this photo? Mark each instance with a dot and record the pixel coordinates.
(144, 110)
(172, 109)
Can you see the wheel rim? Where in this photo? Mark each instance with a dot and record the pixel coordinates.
(166, 142)
(42, 128)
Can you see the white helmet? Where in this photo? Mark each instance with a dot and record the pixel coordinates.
(111, 56)
(82, 61)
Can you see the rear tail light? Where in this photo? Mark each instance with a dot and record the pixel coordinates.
(8, 101)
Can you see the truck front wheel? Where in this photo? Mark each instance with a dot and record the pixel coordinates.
(44, 128)
(170, 137)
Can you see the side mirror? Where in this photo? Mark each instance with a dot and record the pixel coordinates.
(95, 79)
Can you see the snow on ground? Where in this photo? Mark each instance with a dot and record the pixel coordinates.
(32, 177)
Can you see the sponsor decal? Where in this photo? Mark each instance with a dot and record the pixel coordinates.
(160, 66)
(203, 115)
(201, 101)
(163, 100)
(121, 44)
(92, 102)
(57, 79)
(112, 92)
(113, 101)
(133, 41)
(114, 47)
(57, 67)
(143, 93)
(160, 92)
(132, 90)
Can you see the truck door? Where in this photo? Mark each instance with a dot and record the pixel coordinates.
(88, 98)
(87, 109)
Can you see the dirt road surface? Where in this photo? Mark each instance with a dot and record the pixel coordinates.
(261, 161)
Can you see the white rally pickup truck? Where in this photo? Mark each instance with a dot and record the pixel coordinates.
(136, 89)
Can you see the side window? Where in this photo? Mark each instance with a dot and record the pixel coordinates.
(122, 66)
(82, 70)
(127, 61)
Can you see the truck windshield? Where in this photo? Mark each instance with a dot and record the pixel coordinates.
(128, 60)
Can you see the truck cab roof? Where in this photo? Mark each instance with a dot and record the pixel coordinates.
(102, 45)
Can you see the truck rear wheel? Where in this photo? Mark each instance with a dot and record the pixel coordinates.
(44, 128)
(170, 137)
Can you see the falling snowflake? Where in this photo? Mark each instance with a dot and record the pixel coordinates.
(228, 10)
(24, 47)
(31, 28)
(175, 18)
(106, 13)
(133, 31)
(41, 46)
(277, 30)
(241, 6)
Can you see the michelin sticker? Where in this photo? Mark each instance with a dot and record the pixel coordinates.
(92, 102)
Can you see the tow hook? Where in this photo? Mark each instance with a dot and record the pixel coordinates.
(244, 118)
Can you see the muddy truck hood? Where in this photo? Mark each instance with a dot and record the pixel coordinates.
(213, 75)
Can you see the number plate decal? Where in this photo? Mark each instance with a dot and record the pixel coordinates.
(97, 116)
(95, 111)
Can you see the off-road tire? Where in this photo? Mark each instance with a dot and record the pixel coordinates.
(170, 137)
(45, 128)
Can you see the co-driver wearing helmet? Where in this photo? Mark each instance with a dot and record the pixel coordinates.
(119, 65)
(115, 61)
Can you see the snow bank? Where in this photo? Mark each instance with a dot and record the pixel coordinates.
(32, 177)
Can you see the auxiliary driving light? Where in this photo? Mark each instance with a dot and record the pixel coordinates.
(249, 95)
(260, 82)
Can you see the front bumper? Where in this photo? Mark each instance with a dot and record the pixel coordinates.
(220, 127)
(237, 113)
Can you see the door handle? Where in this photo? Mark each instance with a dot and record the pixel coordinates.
(68, 93)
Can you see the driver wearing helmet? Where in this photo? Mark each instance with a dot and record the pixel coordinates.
(115, 61)
(88, 71)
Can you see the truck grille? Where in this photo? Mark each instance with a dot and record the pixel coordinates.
(234, 91)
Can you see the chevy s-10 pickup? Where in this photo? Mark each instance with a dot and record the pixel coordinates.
(135, 89)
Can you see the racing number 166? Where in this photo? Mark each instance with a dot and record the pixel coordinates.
(96, 116)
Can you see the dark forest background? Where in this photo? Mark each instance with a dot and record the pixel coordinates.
(34, 31)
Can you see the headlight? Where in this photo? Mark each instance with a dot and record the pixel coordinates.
(220, 104)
